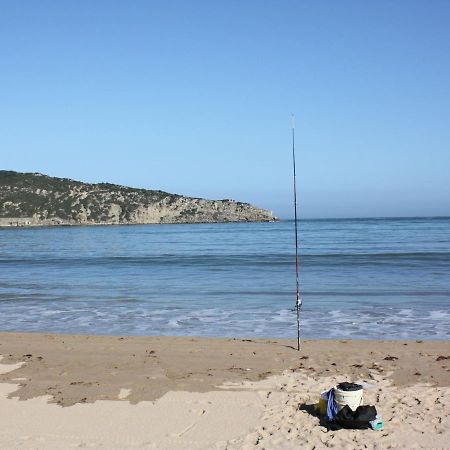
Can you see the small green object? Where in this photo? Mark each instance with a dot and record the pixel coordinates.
(377, 425)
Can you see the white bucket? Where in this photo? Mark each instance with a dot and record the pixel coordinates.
(351, 398)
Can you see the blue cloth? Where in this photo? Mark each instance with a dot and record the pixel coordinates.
(332, 408)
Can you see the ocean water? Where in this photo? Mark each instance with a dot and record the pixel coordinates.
(362, 278)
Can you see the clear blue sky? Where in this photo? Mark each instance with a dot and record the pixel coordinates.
(195, 98)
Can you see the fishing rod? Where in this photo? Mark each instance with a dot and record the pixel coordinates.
(298, 301)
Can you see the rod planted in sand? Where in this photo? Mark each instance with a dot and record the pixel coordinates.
(298, 302)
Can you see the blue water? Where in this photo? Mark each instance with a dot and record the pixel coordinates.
(365, 278)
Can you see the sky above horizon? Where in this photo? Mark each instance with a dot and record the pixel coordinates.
(195, 98)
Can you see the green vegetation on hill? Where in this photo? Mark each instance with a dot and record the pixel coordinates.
(28, 194)
(51, 200)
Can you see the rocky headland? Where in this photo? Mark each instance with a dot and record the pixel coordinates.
(34, 199)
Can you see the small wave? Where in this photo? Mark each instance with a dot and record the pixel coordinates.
(363, 322)
(248, 259)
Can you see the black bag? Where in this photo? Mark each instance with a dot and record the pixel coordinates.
(359, 419)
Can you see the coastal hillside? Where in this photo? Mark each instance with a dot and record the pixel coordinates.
(33, 199)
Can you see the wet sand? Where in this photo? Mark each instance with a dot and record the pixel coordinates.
(72, 368)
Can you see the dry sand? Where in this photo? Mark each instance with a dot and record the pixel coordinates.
(195, 393)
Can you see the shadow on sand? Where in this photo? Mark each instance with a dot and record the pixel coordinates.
(312, 411)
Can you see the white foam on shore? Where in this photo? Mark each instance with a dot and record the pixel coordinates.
(363, 321)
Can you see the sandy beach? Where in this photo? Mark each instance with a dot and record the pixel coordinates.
(69, 391)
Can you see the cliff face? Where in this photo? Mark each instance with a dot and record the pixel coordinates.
(32, 199)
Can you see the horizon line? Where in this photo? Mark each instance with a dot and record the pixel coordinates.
(291, 219)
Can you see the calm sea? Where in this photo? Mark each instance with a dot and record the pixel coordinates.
(365, 278)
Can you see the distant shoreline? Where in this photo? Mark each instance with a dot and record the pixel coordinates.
(14, 225)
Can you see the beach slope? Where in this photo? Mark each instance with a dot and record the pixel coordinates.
(62, 391)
